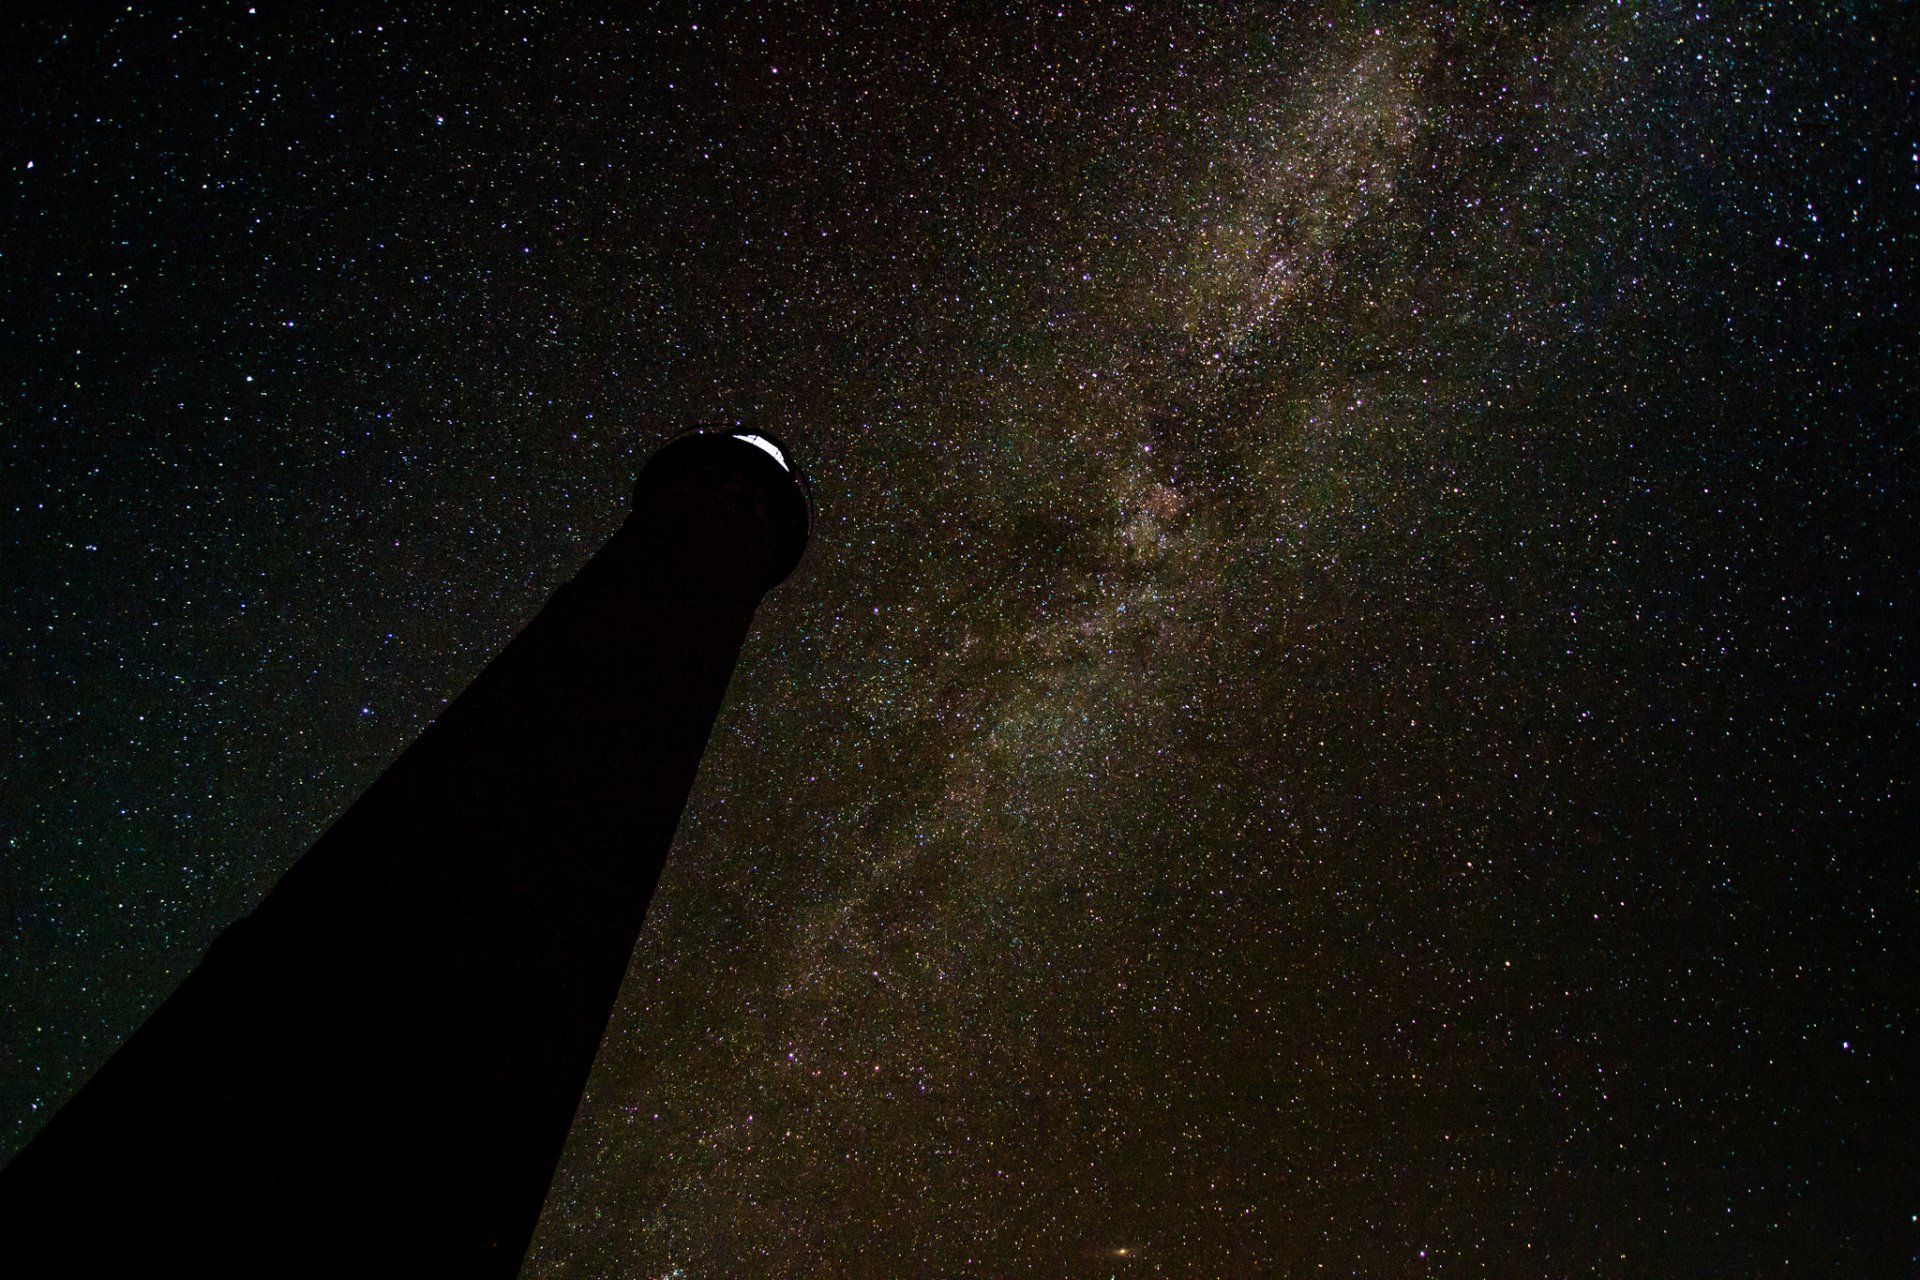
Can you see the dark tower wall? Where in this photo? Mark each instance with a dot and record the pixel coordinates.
(376, 1070)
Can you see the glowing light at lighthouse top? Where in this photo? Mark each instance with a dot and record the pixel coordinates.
(771, 449)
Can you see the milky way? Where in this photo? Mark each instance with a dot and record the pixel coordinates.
(1351, 703)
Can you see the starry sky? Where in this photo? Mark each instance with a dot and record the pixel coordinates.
(1352, 703)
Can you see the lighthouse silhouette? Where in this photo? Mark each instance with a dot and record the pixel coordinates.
(375, 1071)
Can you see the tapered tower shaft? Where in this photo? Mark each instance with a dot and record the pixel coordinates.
(376, 1070)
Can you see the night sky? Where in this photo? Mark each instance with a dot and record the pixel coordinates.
(1352, 705)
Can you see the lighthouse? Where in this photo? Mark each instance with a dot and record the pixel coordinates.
(376, 1070)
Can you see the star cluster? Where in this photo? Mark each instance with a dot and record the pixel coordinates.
(1351, 704)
